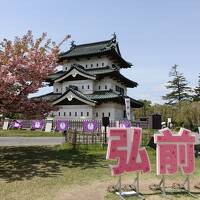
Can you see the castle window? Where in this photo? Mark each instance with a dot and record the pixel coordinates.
(75, 114)
(81, 114)
(99, 87)
(83, 87)
(91, 65)
(105, 87)
(102, 64)
(56, 89)
(70, 114)
(97, 64)
(88, 87)
(85, 66)
(87, 114)
(96, 114)
(119, 89)
(109, 114)
(103, 114)
(64, 113)
(58, 113)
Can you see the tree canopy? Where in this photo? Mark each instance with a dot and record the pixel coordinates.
(196, 96)
(178, 86)
(25, 63)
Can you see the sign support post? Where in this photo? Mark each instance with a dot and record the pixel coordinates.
(135, 192)
(187, 188)
(120, 187)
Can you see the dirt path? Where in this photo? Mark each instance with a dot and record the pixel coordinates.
(98, 191)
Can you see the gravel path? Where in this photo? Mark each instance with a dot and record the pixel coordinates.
(30, 141)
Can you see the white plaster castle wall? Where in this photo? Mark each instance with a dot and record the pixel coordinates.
(88, 85)
(65, 110)
(116, 111)
(92, 62)
(110, 83)
(119, 112)
(105, 108)
(93, 85)
(57, 87)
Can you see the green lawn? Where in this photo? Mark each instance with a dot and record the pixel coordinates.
(28, 133)
(61, 173)
(39, 172)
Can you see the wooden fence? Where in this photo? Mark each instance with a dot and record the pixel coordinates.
(78, 124)
(77, 137)
(80, 138)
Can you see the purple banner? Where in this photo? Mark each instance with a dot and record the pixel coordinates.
(90, 126)
(38, 124)
(125, 124)
(137, 124)
(62, 125)
(16, 124)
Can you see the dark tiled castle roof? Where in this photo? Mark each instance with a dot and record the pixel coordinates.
(96, 97)
(107, 47)
(87, 49)
(101, 96)
(98, 73)
(48, 97)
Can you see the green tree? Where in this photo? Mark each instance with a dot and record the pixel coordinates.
(188, 115)
(180, 90)
(145, 111)
(167, 111)
(196, 96)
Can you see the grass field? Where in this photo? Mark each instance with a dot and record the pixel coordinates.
(61, 173)
(27, 133)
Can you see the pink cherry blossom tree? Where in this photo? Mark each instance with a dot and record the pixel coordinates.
(25, 63)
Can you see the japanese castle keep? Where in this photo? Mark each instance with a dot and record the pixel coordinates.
(90, 85)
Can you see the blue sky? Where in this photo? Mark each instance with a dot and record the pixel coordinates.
(152, 34)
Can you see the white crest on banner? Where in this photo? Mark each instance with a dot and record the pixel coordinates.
(90, 126)
(37, 124)
(128, 108)
(62, 125)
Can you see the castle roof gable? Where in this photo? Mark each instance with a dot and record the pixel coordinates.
(71, 94)
(76, 72)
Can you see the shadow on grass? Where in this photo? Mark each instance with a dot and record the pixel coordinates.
(20, 163)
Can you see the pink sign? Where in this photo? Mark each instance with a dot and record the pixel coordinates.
(175, 151)
(124, 146)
